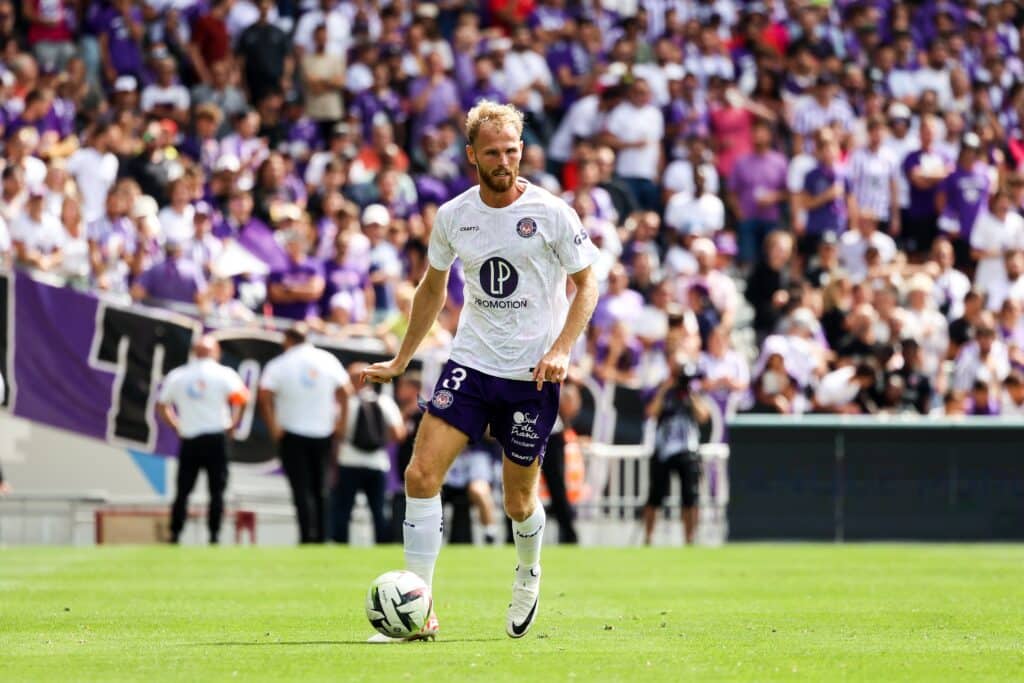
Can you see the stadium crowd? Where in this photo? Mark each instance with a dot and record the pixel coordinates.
(818, 204)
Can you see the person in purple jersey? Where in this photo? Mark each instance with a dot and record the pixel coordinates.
(925, 169)
(824, 193)
(516, 242)
(295, 290)
(961, 196)
(176, 278)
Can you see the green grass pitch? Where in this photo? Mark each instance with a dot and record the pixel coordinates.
(742, 612)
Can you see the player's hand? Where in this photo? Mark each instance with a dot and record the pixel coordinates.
(4, 488)
(382, 373)
(553, 367)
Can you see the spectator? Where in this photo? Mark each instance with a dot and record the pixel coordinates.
(984, 359)
(874, 180)
(769, 285)
(324, 74)
(997, 231)
(38, 236)
(264, 51)
(634, 130)
(176, 278)
(824, 193)
(925, 169)
(165, 98)
(218, 100)
(757, 188)
(374, 423)
(295, 291)
(962, 196)
(702, 215)
(210, 41)
(855, 244)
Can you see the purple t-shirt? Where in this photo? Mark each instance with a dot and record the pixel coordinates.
(966, 192)
(442, 100)
(831, 215)
(753, 174)
(296, 274)
(922, 201)
(125, 52)
(173, 280)
(369, 103)
(341, 277)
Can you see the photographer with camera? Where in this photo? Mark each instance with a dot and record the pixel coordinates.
(679, 412)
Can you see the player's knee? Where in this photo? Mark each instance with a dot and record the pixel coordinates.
(519, 506)
(420, 482)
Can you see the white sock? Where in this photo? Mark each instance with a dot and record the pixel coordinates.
(423, 532)
(529, 536)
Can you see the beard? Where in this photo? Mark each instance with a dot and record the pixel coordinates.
(499, 183)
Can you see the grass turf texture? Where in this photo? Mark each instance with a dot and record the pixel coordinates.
(743, 612)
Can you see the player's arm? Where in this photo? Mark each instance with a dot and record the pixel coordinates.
(555, 364)
(166, 413)
(266, 405)
(426, 305)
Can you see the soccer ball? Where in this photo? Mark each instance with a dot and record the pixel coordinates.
(398, 603)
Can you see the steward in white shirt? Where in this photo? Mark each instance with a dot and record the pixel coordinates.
(202, 402)
(303, 399)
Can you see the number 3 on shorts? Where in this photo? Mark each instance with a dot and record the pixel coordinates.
(456, 379)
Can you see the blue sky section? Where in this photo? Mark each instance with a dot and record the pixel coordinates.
(154, 468)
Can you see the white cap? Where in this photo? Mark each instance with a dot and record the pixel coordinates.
(126, 83)
(898, 110)
(376, 214)
(227, 162)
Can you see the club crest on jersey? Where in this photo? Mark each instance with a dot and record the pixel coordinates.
(443, 399)
(526, 227)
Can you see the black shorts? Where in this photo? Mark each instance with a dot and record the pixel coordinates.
(687, 466)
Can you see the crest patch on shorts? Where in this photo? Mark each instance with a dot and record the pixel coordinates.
(442, 399)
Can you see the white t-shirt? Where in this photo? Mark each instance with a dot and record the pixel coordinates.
(177, 226)
(156, 95)
(581, 121)
(45, 236)
(837, 388)
(202, 393)
(635, 124)
(95, 174)
(5, 239)
(678, 177)
(853, 249)
(349, 455)
(703, 216)
(515, 261)
(521, 70)
(304, 380)
(992, 234)
(339, 31)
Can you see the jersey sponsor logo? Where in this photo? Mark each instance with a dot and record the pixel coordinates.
(443, 399)
(526, 227)
(469, 228)
(498, 277)
(519, 456)
(580, 238)
(503, 305)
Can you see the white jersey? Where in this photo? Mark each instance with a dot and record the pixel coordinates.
(201, 392)
(514, 261)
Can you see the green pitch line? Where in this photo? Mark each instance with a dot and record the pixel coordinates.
(743, 612)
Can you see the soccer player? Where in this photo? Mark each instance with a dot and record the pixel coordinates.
(511, 350)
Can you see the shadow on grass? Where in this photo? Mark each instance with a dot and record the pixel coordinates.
(249, 643)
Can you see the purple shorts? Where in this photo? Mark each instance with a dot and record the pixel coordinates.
(520, 417)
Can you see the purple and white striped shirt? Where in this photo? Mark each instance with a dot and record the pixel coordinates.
(872, 174)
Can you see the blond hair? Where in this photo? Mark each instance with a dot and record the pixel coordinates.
(488, 112)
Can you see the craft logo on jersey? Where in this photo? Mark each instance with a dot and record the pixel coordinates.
(442, 399)
(498, 277)
(526, 227)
